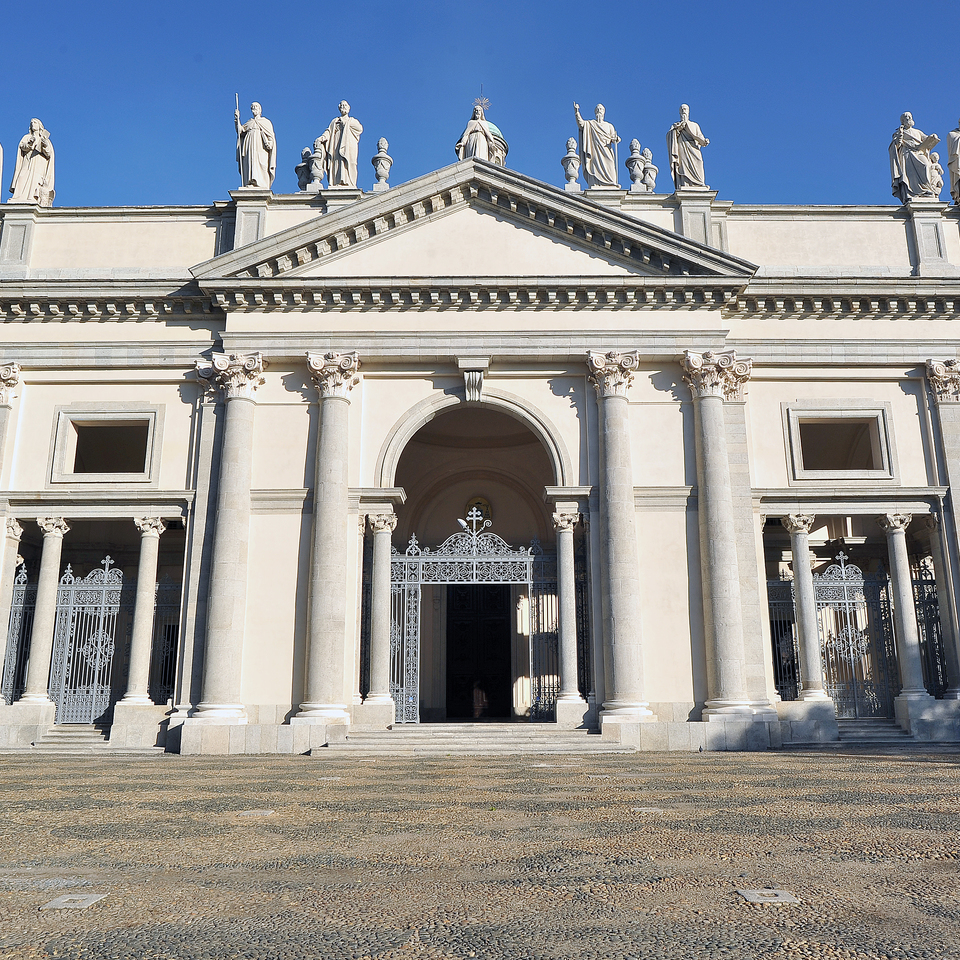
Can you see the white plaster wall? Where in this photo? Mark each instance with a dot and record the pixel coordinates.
(467, 242)
(35, 422)
(282, 217)
(796, 240)
(769, 456)
(124, 241)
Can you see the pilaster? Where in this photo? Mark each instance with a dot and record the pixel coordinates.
(694, 214)
(16, 238)
(251, 223)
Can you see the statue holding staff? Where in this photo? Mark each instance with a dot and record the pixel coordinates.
(256, 148)
(598, 149)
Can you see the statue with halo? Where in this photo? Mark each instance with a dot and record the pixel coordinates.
(481, 139)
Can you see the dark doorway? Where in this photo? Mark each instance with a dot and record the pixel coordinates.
(478, 652)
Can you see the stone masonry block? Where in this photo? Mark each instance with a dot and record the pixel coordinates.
(252, 738)
(237, 738)
(678, 736)
(653, 737)
(284, 738)
(714, 736)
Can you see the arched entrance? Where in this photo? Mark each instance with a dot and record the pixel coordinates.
(474, 609)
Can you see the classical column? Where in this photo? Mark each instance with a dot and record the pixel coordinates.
(714, 377)
(9, 380)
(382, 525)
(335, 375)
(611, 375)
(799, 525)
(141, 640)
(45, 616)
(948, 630)
(239, 376)
(894, 525)
(567, 596)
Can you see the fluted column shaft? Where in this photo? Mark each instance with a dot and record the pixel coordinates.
(240, 376)
(567, 597)
(905, 615)
(620, 565)
(45, 615)
(383, 525)
(714, 377)
(141, 639)
(811, 662)
(324, 693)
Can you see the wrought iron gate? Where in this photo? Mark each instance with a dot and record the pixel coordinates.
(470, 556)
(22, 607)
(84, 642)
(856, 640)
(928, 625)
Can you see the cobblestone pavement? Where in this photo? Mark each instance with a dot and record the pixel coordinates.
(631, 856)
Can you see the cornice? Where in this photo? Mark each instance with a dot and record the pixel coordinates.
(471, 293)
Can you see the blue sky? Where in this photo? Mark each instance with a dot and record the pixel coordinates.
(799, 100)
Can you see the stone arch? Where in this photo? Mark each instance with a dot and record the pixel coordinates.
(513, 406)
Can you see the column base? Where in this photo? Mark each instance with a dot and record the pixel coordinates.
(926, 718)
(618, 716)
(757, 710)
(23, 722)
(814, 694)
(329, 713)
(138, 724)
(219, 713)
(35, 700)
(375, 713)
(137, 700)
(573, 712)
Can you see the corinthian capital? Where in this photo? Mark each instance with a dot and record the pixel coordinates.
(9, 379)
(798, 522)
(237, 374)
(565, 521)
(716, 373)
(14, 530)
(892, 522)
(150, 526)
(612, 373)
(335, 374)
(53, 526)
(383, 522)
(944, 377)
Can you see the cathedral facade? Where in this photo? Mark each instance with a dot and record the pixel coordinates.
(475, 448)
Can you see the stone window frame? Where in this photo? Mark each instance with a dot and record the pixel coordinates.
(60, 469)
(840, 409)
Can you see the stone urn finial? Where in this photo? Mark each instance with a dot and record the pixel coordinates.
(381, 166)
(634, 165)
(571, 166)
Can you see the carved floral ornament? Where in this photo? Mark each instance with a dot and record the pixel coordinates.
(382, 522)
(944, 377)
(894, 522)
(9, 380)
(612, 373)
(237, 374)
(716, 373)
(798, 522)
(565, 521)
(53, 526)
(150, 526)
(14, 530)
(335, 374)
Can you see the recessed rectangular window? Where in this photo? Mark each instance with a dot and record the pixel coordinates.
(110, 443)
(840, 444)
(106, 447)
(840, 440)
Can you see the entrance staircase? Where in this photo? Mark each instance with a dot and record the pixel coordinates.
(84, 740)
(466, 739)
(874, 733)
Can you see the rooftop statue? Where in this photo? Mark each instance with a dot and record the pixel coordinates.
(911, 169)
(476, 140)
(340, 146)
(33, 174)
(684, 142)
(953, 162)
(256, 149)
(598, 149)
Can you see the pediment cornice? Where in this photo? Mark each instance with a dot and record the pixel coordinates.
(643, 249)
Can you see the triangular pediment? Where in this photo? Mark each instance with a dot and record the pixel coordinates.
(471, 219)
